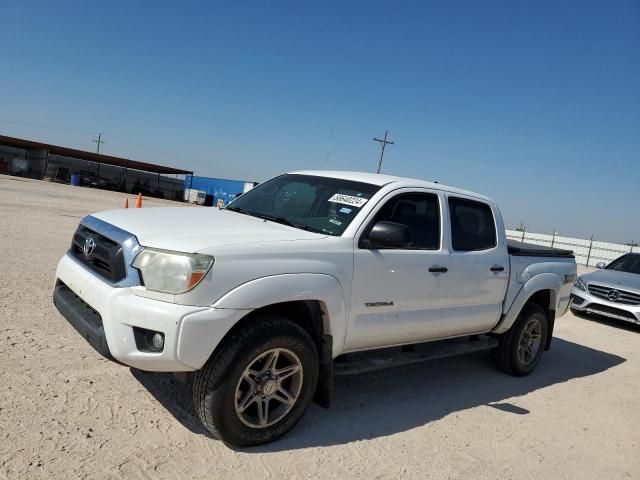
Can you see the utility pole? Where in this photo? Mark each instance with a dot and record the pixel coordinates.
(98, 141)
(384, 142)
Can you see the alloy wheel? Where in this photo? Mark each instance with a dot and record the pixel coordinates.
(268, 388)
(530, 341)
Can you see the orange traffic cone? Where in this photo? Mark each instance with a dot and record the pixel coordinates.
(139, 201)
(126, 203)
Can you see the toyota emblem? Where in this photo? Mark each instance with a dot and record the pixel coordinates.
(613, 295)
(88, 247)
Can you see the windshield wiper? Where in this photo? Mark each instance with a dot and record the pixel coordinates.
(274, 218)
(231, 208)
(287, 222)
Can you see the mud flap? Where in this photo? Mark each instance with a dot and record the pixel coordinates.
(324, 390)
(551, 320)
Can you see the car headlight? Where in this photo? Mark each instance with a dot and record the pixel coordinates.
(171, 272)
(579, 284)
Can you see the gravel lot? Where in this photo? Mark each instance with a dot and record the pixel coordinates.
(67, 413)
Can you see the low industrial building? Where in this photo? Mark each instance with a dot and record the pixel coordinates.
(44, 161)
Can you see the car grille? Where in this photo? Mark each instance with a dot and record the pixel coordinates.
(106, 258)
(610, 312)
(627, 298)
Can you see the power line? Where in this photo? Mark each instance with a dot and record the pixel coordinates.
(383, 142)
(48, 127)
(113, 138)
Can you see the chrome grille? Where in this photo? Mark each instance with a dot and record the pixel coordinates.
(107, 258)
(624, 297)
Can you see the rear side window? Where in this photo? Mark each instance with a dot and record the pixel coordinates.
(472, 225)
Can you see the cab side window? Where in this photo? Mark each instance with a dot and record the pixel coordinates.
(472, 225)
(420, 212)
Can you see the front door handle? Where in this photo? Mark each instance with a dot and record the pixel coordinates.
(497, 268)
(438, 269)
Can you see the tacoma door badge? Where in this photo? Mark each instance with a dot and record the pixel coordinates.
(378, 304)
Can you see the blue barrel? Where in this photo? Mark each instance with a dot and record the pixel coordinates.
(75, 180)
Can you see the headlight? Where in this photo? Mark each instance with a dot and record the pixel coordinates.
(580, 285)
(171, 272)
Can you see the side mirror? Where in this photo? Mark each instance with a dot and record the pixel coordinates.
(387, 235)
(601, 265)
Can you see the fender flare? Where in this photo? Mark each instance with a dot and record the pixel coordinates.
(201, 332)
(290, 287)
(543, 281)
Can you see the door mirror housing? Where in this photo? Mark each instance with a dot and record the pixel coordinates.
(387, 235)
(601, 265)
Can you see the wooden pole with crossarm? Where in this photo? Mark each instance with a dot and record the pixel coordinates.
(383, 143)
(98, 141)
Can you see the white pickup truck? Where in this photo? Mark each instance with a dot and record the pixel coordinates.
(308, 275)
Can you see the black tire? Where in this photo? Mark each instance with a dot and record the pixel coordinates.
(506, 354)
(214, 386)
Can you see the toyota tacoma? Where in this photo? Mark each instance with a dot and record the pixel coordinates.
(309, 275)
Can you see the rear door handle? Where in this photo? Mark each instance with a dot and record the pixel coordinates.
(438, 269)
(497, 268)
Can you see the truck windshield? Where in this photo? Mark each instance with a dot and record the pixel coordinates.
(317, 204)
(629, 263)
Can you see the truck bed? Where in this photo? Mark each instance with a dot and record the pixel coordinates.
(529, 250)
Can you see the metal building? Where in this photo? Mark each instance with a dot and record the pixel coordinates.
(60, 164)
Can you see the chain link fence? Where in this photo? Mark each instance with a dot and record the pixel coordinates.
(588, 251)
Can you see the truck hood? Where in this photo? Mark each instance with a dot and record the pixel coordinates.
(191, 229)
(614, 279)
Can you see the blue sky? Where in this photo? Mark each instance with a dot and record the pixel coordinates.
(536, 104)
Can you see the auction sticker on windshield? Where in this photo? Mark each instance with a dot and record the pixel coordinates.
(348, 200)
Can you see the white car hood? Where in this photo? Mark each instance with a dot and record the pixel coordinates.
(191, 229)
(614, 278)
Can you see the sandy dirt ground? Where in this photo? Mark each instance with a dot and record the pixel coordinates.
(67, 413)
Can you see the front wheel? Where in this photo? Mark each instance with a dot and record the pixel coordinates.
(258, 384)
(521, 348)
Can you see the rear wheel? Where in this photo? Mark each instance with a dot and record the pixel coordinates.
(258, 384)
(521, 348)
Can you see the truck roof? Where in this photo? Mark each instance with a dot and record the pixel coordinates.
(382, 180)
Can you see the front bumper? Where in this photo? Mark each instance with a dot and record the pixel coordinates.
(82, 317)
(106, 317)
(582, 301)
